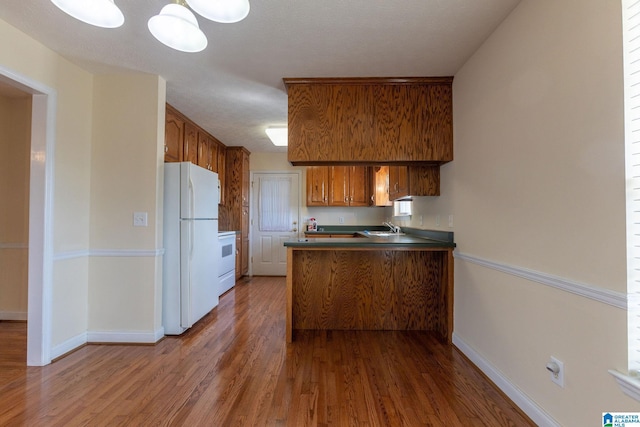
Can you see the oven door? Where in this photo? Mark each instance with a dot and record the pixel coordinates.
(227, 254)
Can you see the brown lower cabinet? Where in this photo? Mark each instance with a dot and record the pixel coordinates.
(238, 256)
(237, 201)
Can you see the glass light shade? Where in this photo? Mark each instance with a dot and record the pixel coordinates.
(101, 13)
(177, 27)
(278, 135)
(225, 11)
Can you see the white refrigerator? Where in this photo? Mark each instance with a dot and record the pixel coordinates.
(190, 262)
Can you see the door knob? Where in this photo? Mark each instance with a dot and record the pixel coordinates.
(295, 230)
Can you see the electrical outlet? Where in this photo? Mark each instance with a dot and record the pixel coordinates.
(341, 220)
(450, 221)
(556, 369)
(437, 220)
(420, 218)
(140, 219)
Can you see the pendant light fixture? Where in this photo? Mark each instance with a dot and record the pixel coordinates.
(177, 27)
(101, 13)
(225, 11)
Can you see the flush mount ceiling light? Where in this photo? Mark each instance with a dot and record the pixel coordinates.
(278, 136)
(225, 11)
(177, 27)
(101, 13)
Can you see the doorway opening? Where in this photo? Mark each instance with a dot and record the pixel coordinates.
(39, 202)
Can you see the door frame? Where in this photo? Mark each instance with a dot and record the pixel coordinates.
(253, 208)
(41, 186)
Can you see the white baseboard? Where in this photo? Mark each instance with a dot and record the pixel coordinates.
(112, 337)
(13, 315)
(125, 337)
(69, 345)
(528, 406)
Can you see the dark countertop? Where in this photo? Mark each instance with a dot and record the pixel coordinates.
(413, 238)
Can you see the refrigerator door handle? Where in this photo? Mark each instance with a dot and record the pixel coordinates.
(185, 274)
(192, 230)
(192, 199)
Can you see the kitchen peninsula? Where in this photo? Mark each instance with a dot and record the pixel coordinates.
(394, 282)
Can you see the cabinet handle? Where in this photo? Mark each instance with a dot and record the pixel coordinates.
(373, 198)
(166, 148)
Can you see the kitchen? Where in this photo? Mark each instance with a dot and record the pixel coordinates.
(529, 136)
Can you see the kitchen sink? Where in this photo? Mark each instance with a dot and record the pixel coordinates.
(383, 233)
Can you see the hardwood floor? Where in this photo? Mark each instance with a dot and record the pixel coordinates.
(234, 368)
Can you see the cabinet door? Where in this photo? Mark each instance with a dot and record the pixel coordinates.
(204, 151)
(339, 185)
(245, 257)
(317, 185)
(190, 149)
(173, 137)
(245, 241)
(358, 186)
(238, 256)
(213, 155)
(380, 186)
(245, 179)
(222, 156)
(398, 182)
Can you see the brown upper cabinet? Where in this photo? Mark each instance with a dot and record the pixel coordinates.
(190, 149)
(380, 186)
(348, 186)
(318, 186)
(173, 137)
(373, 121)
(207, 152)
(185, 141)
(338, 186)
(407, 181)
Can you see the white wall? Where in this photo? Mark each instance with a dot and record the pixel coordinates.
(537, 185)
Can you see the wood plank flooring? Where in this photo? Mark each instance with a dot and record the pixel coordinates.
(234, 368)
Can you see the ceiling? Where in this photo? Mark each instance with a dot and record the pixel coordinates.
(234, 88)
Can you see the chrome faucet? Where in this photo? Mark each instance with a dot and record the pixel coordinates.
(393, 228)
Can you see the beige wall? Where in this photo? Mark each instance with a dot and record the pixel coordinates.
(128, 136)
(73, 86)
(537, 185)
(15, 140)
(109, 132)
